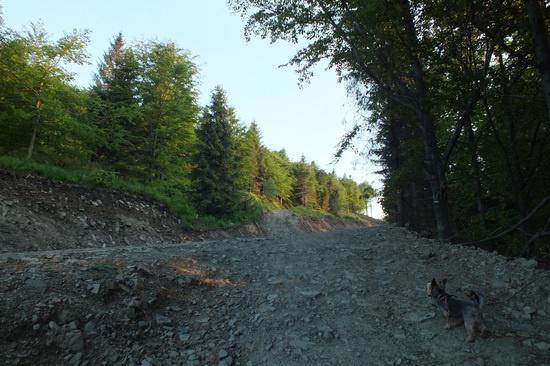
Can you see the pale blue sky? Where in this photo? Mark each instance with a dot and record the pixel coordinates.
(307, 121)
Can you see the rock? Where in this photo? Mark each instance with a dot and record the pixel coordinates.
(143, 270)
(94, 288)
(310, 293)
(90, 329)
(222, 354)
(76, 359)
(65, 316)
(73, 341)
(418, 317)
(226, 362)
(325, 331)
(266, 308)
(162, 320)
(528, 312)
(53, 326)
(147, 362)
(36, 284)
(203, 319)
(528, 263)
(543, 346)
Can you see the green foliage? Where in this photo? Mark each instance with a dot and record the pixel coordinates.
(168, 95)
(139, 129)
(303, 211)
(254, 168)
(36, 105)
(218, 167)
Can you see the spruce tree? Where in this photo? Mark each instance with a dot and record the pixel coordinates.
(115, 109)
(217, 164)
(253, 160)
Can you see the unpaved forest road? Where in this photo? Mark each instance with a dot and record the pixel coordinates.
(348, 297)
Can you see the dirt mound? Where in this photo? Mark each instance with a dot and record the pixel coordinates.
(284, 222)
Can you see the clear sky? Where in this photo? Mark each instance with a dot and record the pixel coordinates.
(308, 120)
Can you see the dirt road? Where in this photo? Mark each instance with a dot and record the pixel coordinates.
(348, 297)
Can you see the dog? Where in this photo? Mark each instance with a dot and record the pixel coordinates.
(458, 311)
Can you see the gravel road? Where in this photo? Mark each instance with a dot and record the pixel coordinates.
(346, 297)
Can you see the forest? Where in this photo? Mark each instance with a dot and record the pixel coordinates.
(458, 94)
(140, 128)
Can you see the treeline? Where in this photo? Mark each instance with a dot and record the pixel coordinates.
(141, 121)
(459, 94)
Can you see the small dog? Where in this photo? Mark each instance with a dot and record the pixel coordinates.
(458, 311)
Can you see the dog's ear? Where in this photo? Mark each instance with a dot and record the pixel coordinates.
(433, 284)
(443, 283)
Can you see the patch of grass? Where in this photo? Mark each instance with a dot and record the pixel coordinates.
(302, 211)
(250, 209)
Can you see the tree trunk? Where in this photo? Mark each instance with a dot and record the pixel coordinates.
(35, 128)
(33, 140)
(476, 172)
(539, 31)
(434, 167)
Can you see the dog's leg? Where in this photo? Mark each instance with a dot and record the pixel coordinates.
(470, 325)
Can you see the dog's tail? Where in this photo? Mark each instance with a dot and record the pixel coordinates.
(477, 299)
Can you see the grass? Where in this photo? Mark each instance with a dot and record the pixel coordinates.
(302, 211)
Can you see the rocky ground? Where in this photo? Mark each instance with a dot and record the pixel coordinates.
(354, 296)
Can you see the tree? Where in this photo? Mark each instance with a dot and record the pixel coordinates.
(376, 43)
(116, 109)
(253, 160)
(168, 96)
(304, 190)
(217, 167)
(278, 168)
(33, 73)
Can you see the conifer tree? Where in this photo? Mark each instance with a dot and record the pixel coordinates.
(278, 168)
(217, 168)
(253, 160)
(115, 109)
(305, 184)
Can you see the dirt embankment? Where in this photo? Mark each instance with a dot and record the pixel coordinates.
(38, 213)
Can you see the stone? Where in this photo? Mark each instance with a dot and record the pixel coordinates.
(222, 354)
(36, 284)
(75, 359)
(147, 362)
(226, 362)
(310, 293)
(543, 346)
(90, 329)
(73, 341)
(528, 311)
(94, 288)
(418, 317)
(162, 320)
(53, 326)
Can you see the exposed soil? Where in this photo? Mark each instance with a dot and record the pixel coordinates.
(350, 296)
